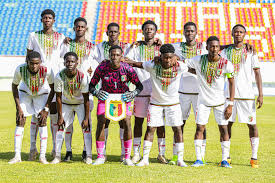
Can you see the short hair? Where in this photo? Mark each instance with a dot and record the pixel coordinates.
(47, 12)
(167, 48)
(70, 54)
(212, 38)
(149, 22)
(189, 24)
(80, 19)
(113, 24)
(115, 47)
(239, 25)
(33, 54)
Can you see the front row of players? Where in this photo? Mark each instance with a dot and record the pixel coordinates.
(71, 87)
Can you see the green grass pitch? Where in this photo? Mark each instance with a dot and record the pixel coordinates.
(114, 171)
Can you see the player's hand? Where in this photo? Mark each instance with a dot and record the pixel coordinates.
(42, 118)
(128, 61)
(157, 41)
(101, 94)
(251, 48)
(228, 112)
(85, 125)
(260, 100)
(129, 96)
(90, 71)
(60, 122)
(67, 40)
(19, 115)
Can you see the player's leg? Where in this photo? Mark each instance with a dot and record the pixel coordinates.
(100, 138)
(33, 136)
(161, 144)
(202, 115)
(121, 136)
(127, 137)
(140, 112)
(254, 140)
(155, 118)
(54, 126)
(179, 145)
(68, 143)
(106, 134)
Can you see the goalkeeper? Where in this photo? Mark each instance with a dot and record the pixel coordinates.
(114, 75)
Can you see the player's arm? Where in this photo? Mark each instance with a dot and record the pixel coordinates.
(228, 110)
(249, 47)
(133, 63)
(85, 122)
(60, 121)
(100, 94)
(19, 111)
(259, 83)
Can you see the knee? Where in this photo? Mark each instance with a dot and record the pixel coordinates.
(200, 129)
(252, 127)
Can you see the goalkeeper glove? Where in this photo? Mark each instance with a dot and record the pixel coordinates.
(129, 96)
(100, 94)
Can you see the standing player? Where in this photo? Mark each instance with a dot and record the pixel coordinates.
(32, 99)
(71, 87)
(103, 54)
(85, 51)
(212, 70)
(114, 75)
(164, 105)
(144, 51)
(47, 42)
(245, 64)
(188, 90)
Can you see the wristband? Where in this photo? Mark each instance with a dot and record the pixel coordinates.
(230, 103)
(46, 109)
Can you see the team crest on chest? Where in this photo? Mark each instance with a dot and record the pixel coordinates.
(123, 78)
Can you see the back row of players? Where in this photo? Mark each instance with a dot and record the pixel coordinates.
(164, 90)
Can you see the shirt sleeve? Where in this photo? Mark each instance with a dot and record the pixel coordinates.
(84, 85)
(50, 76)
(178, 50)
(132, 75)
(255, 62)
(96, 77)
(30, 42)
(183, 67)
(17, 76)
(190, 63)
(131, 53)
(229, 70)
(148, 66)
(58, 84)
(127, 48)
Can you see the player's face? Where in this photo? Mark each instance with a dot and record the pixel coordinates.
(34, 65)
(213, 48)
(149, 31)
(80, 28)
(47, 20)
(166, 60)
(238, 34)
(113, 33)
(115, 56)
(190, 33)
(71, 63)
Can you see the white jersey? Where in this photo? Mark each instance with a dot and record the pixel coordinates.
(143, 53)
(33, 84)
(244, 63)
(86, 53)
(103, 50)
(71, 88)
(49, 48)
(211, 77)
(189, 83)
(165, 82)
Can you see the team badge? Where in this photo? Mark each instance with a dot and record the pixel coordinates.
(123, 78)
(250, 118)
(115, 108)
(219, 72)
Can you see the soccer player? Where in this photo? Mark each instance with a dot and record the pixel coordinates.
(212, 70)
(87, 63)
(164, 105)
(48, 43)
(188, 89)
(71, 88)
(32, 99)
(144, 51)
(103, 54)
(114, 75)
(245, 64)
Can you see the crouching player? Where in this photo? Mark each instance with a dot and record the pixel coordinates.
(114, 75)
(164, 105)
(212, 70)
(32, 99)
(71, 87)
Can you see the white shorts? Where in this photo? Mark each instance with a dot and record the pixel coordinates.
(203, 113)
(185, 102)
(246, 111)
(164, 115)
(141, 106)
(69, 111)
(32, 105)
